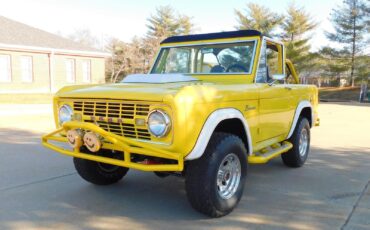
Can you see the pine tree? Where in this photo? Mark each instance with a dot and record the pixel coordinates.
(137, 55)
(259, 18)
(350, 25)
(363, 70)
(334, 64)
(164, 23)
(366, 11)
(296, 35)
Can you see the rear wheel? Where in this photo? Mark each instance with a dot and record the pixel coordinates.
(100, 173)
(215, 182)
(300, 139)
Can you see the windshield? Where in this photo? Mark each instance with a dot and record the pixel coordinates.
(204, 59)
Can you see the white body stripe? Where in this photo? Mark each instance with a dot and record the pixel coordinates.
(213, 120)
(300, 107)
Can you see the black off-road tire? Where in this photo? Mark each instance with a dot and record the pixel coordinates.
(100, 173)
(293, 158)
(201, 176)
(161, 174)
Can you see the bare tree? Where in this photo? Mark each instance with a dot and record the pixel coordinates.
(85, 37)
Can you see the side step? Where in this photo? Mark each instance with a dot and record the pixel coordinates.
(268, 153)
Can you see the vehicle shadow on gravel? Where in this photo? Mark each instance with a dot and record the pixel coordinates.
(318, 195)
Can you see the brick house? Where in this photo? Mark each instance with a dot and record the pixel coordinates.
(33, 61)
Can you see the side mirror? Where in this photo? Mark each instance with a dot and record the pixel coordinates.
(275, 78)
(278, 77)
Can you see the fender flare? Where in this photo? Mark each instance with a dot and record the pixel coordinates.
(210, 125)
(300, 107)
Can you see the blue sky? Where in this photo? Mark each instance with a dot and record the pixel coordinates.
(124, 19)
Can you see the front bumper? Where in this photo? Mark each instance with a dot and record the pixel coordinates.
(114, 142)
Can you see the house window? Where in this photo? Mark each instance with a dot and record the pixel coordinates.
(70, 70)
(27, 68)
(5, 68)
(86, 71)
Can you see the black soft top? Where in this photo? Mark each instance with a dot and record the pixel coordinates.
(198, 37)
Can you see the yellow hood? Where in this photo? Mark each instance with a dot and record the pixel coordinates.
(126, 91)
(155, 87)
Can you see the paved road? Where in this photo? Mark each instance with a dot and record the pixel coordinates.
(41, 190)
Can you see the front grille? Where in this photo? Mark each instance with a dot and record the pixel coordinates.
(121, 116)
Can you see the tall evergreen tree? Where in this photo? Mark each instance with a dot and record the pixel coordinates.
(258, 17)
(296, 35)
(164, 23)
(363, 70)
(137, 55)
(333, 64)
(350, 25)
(367, 16)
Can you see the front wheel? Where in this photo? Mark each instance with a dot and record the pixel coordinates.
(100, 173)
(300, 139)
(215, 182)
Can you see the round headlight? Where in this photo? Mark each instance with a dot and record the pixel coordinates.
(65, 113)
(158, 123)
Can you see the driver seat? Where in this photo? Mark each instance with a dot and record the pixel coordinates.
(217, 69)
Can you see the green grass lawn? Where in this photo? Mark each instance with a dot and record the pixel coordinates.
(340, 94)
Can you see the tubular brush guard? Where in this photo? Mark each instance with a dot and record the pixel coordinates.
(114, 142)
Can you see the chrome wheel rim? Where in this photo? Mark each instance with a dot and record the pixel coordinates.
(228, 176)
(303, 142)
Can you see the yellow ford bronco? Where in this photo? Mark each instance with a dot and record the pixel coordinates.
(211, 104)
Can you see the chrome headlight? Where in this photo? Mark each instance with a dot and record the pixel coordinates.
(65, 113)
(159, 123)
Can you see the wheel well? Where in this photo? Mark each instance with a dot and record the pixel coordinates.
(233, 126)
(306, 113)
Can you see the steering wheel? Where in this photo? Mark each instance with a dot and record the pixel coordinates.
(236, 66)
